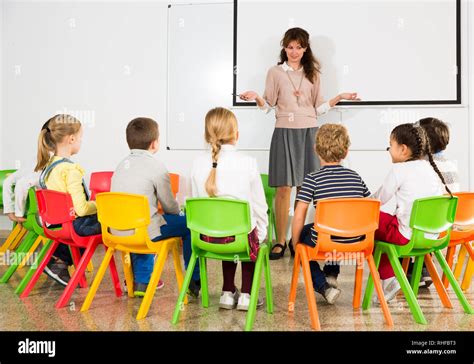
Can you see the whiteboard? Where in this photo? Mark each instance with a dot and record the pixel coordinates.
(390, 52)
(199, 69)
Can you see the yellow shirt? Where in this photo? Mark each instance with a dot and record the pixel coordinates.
(67, 177)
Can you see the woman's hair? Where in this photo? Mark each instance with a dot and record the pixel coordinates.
(52, 133)
(332, 142)
(221, 128)
(415, 138)
(437, 132)
(311, 65)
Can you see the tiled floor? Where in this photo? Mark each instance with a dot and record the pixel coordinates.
(107, 312)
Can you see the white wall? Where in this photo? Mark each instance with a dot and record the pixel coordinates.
(107, 64)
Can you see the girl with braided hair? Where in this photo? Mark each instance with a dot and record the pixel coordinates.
(225, 172)
(413, 175)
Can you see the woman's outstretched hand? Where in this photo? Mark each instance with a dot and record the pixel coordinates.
(248, 96)
(352, 96)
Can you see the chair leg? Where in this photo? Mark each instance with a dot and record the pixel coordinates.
(155, 277)
(369, 289)
(184, 288)
(18, 256)
(77, 276)
(294, 278)
(405, 285)
(268, 278)
(128, 272)
(44, 250)
(308, 281)
(178, 269)
(358, 283)
(416, 274)
(17, 230)
(460, 262)
(30, 251)
(454, 284)
(98, 278)
(443, 295)
(449, 261)
(466, 282)
(257, 277)
(204, 282)
(76, 257)
(16, 241)
(113, 274)
(40, 270)
(378, 288)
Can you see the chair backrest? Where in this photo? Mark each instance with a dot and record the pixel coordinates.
(124, 211)
(465, 209)
(3, 175)
(431, 215)
(269, 191)
(32, 214)
(56, 208)
(218, 217)
(100, 182)
(174, 180)
(347, 218)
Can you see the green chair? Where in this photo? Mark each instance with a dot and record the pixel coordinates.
(432, 215)
(220, 217)
(34, 236)
(269, 196)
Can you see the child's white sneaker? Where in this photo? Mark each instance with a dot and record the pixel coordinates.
(228, 299)
(390, 288)
(244, 302)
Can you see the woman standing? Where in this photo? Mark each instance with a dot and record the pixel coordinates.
(293, 88)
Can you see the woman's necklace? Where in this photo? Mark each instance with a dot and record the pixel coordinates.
(296, 91)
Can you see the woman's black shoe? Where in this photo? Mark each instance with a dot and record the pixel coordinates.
(292, 249)
(276, 256)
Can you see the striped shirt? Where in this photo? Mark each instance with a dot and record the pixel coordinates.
(332, 182)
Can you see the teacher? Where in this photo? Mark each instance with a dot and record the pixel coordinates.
(293, 88)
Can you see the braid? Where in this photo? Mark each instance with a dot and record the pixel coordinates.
(435, 167)
(211, 187)
(417, 154)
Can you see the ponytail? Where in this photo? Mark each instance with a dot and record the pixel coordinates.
(52, 133)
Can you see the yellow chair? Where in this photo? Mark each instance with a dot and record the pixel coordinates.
(466, 282)
(13, 239)
(124, 211)
(468, 272)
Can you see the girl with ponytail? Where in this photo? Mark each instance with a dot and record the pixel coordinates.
(413, 175)
(224, 172)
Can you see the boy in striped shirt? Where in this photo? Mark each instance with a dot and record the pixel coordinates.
(331, 181)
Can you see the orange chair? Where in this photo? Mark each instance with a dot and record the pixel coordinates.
(345, 217)
(464, 234)
(174, 180)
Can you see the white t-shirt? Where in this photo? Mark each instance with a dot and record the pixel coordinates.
(409, 181)
(237, 177)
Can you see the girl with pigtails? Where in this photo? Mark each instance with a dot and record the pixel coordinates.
(413, 176)
(223, 171)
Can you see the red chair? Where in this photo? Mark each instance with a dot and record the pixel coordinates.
(56, 208)
(100, 182)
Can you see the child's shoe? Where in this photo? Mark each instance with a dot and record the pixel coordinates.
(390, 288)
(244, 302)
(329, 293)
(332, 281)
(228, 299)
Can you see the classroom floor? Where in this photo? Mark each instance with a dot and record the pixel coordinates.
(109, 313)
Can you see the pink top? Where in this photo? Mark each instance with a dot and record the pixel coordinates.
(291, 111)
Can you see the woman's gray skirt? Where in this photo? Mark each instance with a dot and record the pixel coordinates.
(292, 156)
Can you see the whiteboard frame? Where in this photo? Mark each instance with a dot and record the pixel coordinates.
(457, 101)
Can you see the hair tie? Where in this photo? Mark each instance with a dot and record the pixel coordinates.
(47, 129)
(214, 165)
